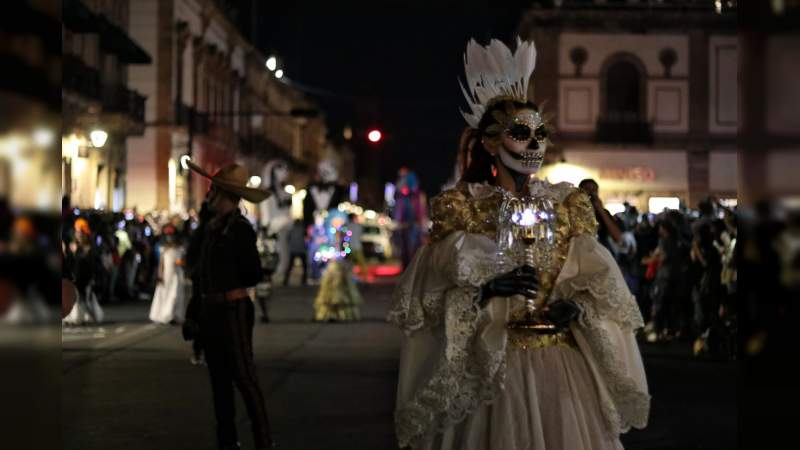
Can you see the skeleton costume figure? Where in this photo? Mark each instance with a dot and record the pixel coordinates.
(276, 212)
(468, 378)
(321, 196)
(410, 214)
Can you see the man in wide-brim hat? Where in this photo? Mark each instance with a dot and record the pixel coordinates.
(221, 312)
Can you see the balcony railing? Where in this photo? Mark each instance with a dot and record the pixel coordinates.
(257, 145)
(120, 99)
(80, 78)
(617, 131)
(186, 115)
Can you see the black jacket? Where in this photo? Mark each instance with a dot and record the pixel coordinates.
(228, 259)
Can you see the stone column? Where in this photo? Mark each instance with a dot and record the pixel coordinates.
(164, 104)
(698, 144)
(751, 177)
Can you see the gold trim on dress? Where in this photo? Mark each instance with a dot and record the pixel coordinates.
(526, 340)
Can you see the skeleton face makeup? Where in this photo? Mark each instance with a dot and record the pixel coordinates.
(328, 172)
(522, 141)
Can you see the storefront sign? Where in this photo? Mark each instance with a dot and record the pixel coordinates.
(644, 174)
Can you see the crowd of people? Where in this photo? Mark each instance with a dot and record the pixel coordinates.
(117, 257)
(114, 257)
(680, 266)
(29, 266)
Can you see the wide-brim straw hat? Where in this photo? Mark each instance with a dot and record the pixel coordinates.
(233, 178)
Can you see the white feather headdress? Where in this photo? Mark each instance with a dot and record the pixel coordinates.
(493, 72)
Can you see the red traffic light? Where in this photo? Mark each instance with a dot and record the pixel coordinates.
(374, 135)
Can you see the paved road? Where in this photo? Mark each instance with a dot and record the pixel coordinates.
(129, 385)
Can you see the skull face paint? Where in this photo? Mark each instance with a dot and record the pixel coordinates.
(523, 142)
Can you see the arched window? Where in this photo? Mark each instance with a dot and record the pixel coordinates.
(623, 83)
(623, 101)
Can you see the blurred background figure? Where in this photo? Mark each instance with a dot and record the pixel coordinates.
(87, 309)
(410, 215)
(608, 231)
(338, 298)
(665, 290)
(297, 250)
(624, 252)
(276, 211)
(324, 195)
(356, 245)
(169, 304)
(646, 242)
(268, 252)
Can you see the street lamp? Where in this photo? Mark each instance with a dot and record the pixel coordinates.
(185, 161)
(272, 63)
(279, 74)
(98, 138)
(255, 181)
(43, 137)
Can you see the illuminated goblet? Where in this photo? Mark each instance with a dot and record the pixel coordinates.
(532, 226)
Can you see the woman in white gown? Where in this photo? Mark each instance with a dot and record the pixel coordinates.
(467, 382)
(169, 299)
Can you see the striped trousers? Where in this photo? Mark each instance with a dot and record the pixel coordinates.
(227, 331)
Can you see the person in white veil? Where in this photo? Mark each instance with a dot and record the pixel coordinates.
(468, 379)
(169, 298)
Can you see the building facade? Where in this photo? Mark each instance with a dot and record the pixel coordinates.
(96, 98)
(213, 101)
(642, 96)
(30, 93)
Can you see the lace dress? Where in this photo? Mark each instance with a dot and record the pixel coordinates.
(169, 297)
(466, 382)
(338, 299)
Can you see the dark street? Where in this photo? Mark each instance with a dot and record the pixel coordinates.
(129, 385)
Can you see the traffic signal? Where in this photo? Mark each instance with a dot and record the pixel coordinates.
(374, 136)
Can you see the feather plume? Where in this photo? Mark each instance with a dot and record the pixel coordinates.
(494, 71)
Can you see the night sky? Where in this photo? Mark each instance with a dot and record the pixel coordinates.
(391, 67)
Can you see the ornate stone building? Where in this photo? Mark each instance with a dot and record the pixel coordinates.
(98, 53)
(213, 99)
(642, 94)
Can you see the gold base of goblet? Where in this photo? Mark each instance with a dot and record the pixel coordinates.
(535, 322)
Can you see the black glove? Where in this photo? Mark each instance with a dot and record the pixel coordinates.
(191, 330)
(562, 312)
(521, 281)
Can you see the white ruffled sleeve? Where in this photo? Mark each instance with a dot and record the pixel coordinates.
(451, 361)
(605, 331)
(460, 260)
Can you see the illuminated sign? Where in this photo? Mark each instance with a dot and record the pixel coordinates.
(645, 174)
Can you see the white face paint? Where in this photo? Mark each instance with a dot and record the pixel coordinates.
(328, 172)
(517, 149)
(525, 162)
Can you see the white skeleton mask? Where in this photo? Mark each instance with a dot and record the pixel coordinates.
(523, 142)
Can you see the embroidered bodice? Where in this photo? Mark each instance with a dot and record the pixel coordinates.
(476, 208)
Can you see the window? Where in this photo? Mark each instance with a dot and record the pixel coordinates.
(623, 102)
(623, 93)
